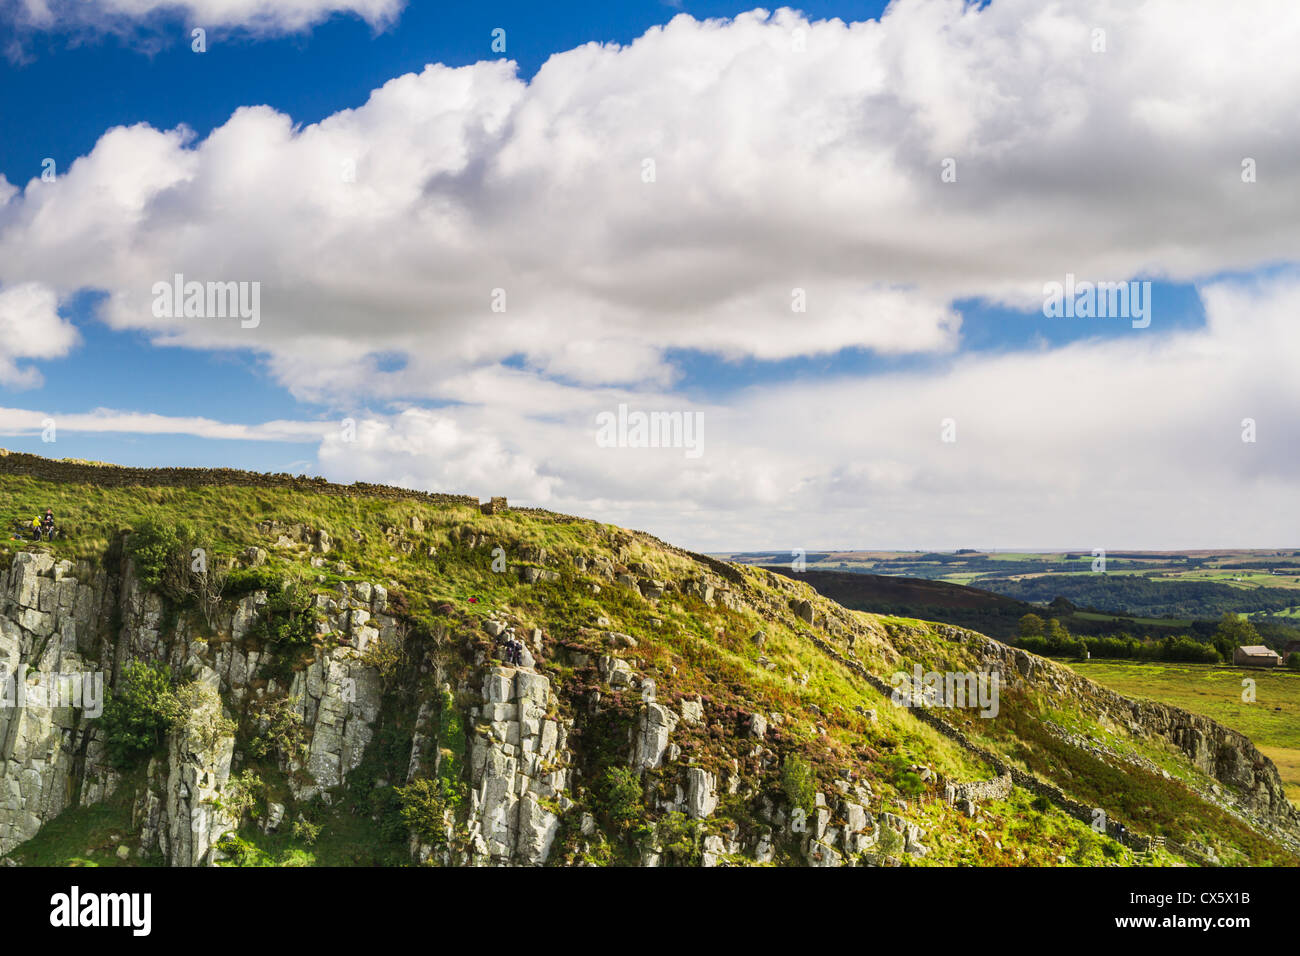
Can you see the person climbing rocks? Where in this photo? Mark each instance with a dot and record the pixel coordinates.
(36, 528)
(47, 525)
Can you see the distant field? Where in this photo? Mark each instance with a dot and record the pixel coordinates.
(1272, 722)
(1154, 621)
(1238, 579)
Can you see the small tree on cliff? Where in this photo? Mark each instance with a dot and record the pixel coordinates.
(168, 560)
(798, 783)
(139, 713)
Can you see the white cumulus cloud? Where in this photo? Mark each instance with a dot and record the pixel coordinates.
(30, 328)
(780, 171)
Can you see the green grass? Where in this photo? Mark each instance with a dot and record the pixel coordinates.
(1286, 612)
(1018, 831)
(1146, 802)
(1244, 580)
(88, 836)
(1143, 800)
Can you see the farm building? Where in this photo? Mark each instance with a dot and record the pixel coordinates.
(1255, 655)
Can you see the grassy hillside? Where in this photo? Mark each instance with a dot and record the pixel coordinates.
(821, 678)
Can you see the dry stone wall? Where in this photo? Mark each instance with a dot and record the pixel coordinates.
(118, 476)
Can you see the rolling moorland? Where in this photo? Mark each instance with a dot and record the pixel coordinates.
(1141, 584)
(302, 673)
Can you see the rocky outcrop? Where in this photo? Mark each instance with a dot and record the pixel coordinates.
(48, 616)
(338, 698)
(55, 634)
(181, 814)
(701, 793)
(489, 745)
(519, 770)
(656, 725)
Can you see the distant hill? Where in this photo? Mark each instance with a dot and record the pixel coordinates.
(1133, 594)
(997, 615)
(993, 614)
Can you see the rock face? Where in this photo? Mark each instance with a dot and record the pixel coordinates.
(48, 614)
(805, 611)
(519, 770)
(701, 793)
(54, 619)
(657, 723)
(198, 768)
(56, 631)
(339, 699)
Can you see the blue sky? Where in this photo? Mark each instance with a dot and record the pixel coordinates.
(66, 89)
(795, 150)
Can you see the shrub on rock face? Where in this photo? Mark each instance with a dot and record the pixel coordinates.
(905, 780)
(289, 617)
(202, 716)
(306, 831)
(238, 852)
(618, 795)
(890, 843)
(681, 839)
(155, 548)
(798, 784)
(281, 731)
(242, 793)
(138, 714)
(168, 559)
(244, 581)
(424, 807)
